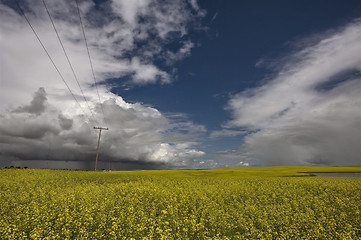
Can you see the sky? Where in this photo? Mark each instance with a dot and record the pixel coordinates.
(181, 84)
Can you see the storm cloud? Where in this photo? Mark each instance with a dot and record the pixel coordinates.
(137, 136)
(37, 105)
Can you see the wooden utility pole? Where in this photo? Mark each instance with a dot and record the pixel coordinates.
(100, 133)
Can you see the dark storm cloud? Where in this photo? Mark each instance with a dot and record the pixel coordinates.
(137, 136)
(65, 123)
(26, 127)
(37, 105)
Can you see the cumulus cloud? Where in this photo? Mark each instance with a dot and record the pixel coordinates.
(128, 43)
(37, 105)
(65, 123)
(137, 134)
(309, 113)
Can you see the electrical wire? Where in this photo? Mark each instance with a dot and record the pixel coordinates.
(52, 61)
(90, 61)
(67, 58)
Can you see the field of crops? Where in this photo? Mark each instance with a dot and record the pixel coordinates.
(252, 203)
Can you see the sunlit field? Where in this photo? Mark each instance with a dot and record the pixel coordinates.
(251, 203)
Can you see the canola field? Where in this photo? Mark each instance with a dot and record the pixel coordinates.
(251, 203)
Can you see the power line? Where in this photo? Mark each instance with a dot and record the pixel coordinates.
(67, 58)
(47, 53)
(90, 61)
(96, 84)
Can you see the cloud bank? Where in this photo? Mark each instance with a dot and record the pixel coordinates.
(132, 43)
(309, 113)
(138, 135)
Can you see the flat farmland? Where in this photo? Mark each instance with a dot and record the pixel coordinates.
(249, 203)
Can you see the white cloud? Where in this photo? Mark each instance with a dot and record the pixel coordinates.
(226, 133)
(140, 29)
(183, 52)
(309, 113)
(147, 73)
(196, 7)
(130, 10)
(125, 40)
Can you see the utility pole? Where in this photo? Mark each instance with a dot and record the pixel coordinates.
(100, 133)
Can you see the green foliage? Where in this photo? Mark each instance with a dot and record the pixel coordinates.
(252, 203)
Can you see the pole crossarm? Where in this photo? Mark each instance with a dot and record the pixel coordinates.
(101, 128)
(100, 133)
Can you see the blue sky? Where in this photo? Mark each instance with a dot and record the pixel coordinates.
(239, 34)
(185, 84)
